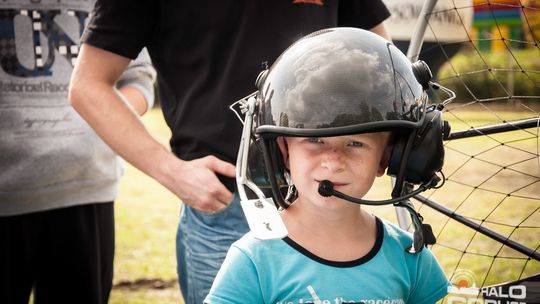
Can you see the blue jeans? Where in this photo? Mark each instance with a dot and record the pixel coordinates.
(202, 242)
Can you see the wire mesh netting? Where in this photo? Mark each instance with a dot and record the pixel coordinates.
(493, 177)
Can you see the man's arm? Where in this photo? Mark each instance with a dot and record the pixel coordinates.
(93, 94)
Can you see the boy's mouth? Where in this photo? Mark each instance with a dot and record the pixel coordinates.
(335, 183)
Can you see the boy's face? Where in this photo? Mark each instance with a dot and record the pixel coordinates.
(350, 162)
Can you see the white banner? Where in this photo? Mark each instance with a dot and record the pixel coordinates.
(449, 22)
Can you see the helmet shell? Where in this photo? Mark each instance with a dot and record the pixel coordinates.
(339, 81)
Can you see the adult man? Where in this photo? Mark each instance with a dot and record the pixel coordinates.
(205, 54)
(58, 179)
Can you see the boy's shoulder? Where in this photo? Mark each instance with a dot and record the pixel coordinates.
(393, 233)
(397, 240)
(254, 247)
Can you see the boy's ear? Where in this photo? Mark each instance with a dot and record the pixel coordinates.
(385, 159)
(282, 143)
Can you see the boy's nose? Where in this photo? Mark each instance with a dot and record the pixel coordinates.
(333, 160)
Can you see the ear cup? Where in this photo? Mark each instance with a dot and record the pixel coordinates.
(422, 73)
(427, 153)
(397, 155)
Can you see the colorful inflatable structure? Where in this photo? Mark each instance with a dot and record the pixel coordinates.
(498, 23)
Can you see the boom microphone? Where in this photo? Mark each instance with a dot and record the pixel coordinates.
(326, 189)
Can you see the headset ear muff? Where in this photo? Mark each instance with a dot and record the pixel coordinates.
(396, 156)
(422, 73)
(427, 152)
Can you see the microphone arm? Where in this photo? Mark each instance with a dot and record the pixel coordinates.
(326, 189)
(422, 232)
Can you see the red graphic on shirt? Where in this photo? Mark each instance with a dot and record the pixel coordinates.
(316, 2)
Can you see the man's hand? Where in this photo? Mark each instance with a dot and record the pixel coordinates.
(94, 96)
(195, 182)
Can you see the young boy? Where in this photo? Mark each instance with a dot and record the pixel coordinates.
(326, 112)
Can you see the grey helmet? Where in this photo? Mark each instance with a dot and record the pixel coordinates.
(342, 81)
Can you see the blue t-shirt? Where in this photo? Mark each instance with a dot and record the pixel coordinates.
(283, 272)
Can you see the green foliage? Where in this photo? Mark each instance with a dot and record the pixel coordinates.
(500, 75)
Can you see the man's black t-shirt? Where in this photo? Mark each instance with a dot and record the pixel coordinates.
(208, 54)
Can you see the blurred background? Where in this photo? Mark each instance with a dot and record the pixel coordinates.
(487, 52)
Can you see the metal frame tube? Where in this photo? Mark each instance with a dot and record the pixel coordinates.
(478, 227)
(417, 39)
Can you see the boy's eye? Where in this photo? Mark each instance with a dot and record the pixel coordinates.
(356, 144)
(315, 140)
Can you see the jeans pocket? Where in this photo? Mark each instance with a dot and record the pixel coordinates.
(202, 243)
(221, 211)
(230, 220)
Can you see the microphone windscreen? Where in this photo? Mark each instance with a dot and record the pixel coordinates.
(326, 188)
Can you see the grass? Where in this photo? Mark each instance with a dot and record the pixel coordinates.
(147, 214)
(494, 180)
